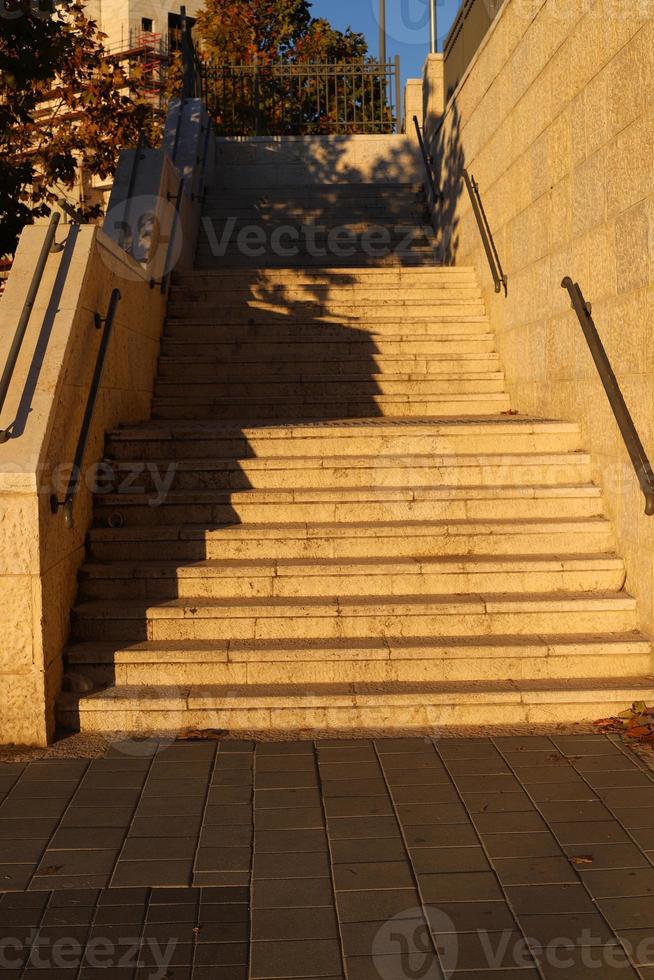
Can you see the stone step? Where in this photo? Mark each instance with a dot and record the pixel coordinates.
(354, 617)
(395, 226)
(173, 375)
(347, 316)
(234, 259)
(345, 708)
(272, 578)
(289, 212)
(326, 277)
(411, 539)
(437, 367)
(374, 661)
(352, 345)
(195, 403)
(382, 471)
(365, 437)
(341, 505)
(355, 190)
(262, 325)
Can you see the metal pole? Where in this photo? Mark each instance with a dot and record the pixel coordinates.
(433, 27)
(382, 32)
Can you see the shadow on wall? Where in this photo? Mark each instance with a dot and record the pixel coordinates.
(449, 163)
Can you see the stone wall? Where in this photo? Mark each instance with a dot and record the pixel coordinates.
(39, 555)
(555, 119)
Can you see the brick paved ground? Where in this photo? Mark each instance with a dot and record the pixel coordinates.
(392, 859)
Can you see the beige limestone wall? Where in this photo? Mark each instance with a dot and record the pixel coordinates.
(555, 119)
(39, 555)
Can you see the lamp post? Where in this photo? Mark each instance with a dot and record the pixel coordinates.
(382, 32)
(433, 27)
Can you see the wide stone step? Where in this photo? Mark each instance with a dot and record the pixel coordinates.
(187, 542)
(343, 505)
(366, 661)
(263, 326)
(199, 404)
(391, 708)
(173, 375)
(354, 617)
(274, 280)
(417, 256)
(271, 578)
(344, 314)
(350, 471)
(364, 437)
(352, 345)
(301, 368)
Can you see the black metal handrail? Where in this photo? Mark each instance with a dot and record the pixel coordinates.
(437, 194)
(191, 70)
(76, 474)
(618, 405)
(172, 236)
(499, 278)
(21, 329)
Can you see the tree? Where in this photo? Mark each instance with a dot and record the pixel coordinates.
(63, 104)
(258, 53)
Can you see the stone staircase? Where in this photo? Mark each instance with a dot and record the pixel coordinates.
(333, 522)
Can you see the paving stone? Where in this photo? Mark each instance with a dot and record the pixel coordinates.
(74, 862)
(292, 893)
(521, 845)
(448, 859)
(224, 912)
(152, 873)
(59, 789)
(156, 788)
(353, 788)
(420, 814)
(218, 795)
(128, 896)
(106, 797)
(588, 963)
(174, 806)
(357, 876)
(549, 899)
(286, 780)
(16, 877)
(228, 815)
(223, 859)
(492, 766)
(226, 836)
(626, 882)
(15, 808)
(527, 822)
(384, 938)
(274, 841)
(505, 783)
(573, 929)
(93, 816)
(295, 818)
(532, 871)
(344, 828)
(350, 770)
(290, 763)
(562, 772)
(371, 967)
(497, 803)
(501, 950)
(607, 832)
(615, 780)
(348, 753)
(385, 849)
(306, 864)
(232, 777)
(608, 856)
(281, 924)
(639, 945)
(389, 746)
(561, 792)
(378, 905)
(221, 877)
(374, 806)
(272, 799)
(451, 835)
(22, 851)
(460, 887)
(635, 818)
(304, 958)
(284, 748)
(164, 826)
(519, 743)
(462, 917)
(467, 748)
(43, 882)
(628, 913)
(426, 793)
(604, 763)
(426, 758)
(159, 849)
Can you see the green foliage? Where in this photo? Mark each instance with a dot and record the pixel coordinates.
(62, 103)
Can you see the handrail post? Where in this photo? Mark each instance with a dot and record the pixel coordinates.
(75, 477)
(618, 405)
(21, 329)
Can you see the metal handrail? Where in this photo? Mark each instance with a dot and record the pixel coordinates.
(12, 358)
(618, 405)
(165, 275)
(499, 278)
(191, 74)
(68, 209)
(437, 194)
(75, 476)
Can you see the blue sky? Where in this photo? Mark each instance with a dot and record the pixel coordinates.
(406, 25)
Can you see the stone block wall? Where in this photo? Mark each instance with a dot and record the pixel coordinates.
(555, 119)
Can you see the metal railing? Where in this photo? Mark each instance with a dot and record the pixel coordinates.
(497, 272)
(76, 473)
(191, 67)
(618, 405)
(21, 329)
(427, 159)
(303, 99)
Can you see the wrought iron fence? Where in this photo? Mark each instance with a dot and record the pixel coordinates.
(303, 99)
